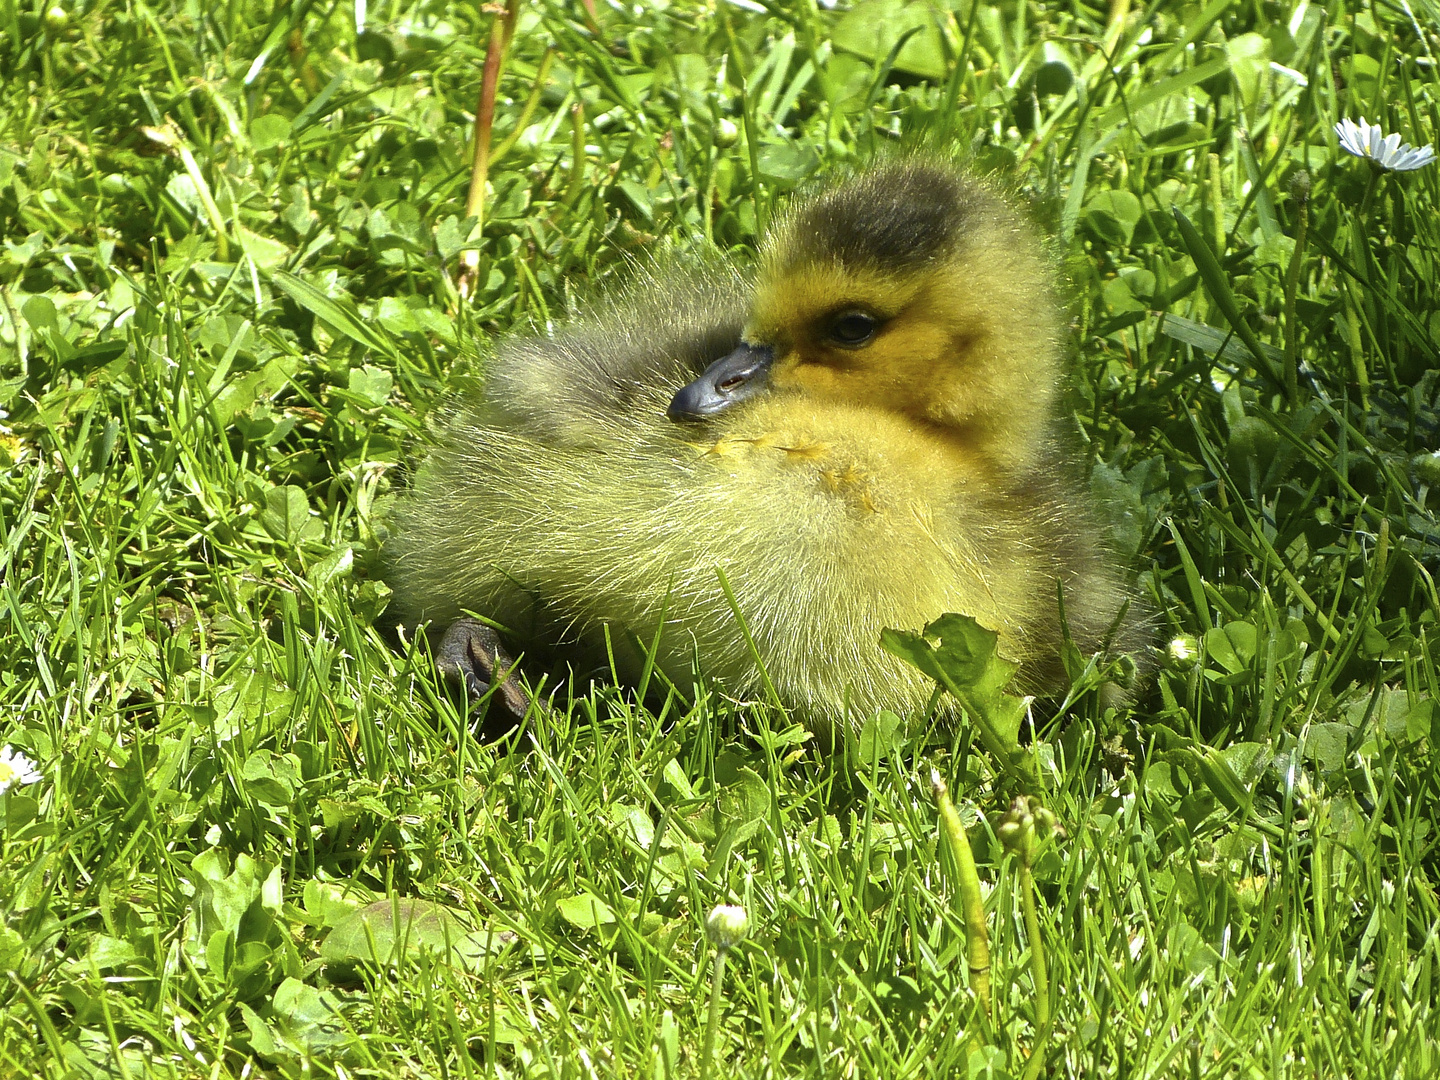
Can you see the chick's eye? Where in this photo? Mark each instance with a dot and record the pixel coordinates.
(853, 328)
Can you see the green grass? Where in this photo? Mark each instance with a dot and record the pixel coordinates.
(201, 431)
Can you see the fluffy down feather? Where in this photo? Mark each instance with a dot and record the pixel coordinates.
(840, 501)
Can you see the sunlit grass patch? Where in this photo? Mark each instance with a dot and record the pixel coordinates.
(265, 837)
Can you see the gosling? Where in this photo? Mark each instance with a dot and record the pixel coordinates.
(862, 437)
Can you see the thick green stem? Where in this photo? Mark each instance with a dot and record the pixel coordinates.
(1115, 24)
(1369, 197)
(1217, 206)
(1357, 348)
(712, 1025)
(531, 103)
(1292, 328)
(501, 28)
(977, 936)
(752, 138)
(1021, 830)
(168, 135)
(1320, 879)
(1038, 969)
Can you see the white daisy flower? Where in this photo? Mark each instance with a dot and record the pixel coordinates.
(16, 769)
(1366, 140)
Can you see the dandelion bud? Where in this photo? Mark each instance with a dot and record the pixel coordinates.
(1017, 828)
(1025, 824)
(1427, 468)
(1300, 187)
(727, 926)
(726, 132)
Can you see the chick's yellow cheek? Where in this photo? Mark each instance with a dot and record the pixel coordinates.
(893, 372)
(910, 351)
(807, 377)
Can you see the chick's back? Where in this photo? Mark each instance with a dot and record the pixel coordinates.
(541, 497)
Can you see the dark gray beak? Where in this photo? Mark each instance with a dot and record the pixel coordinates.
(729, 381)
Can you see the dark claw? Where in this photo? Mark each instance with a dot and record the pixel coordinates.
(470, 654)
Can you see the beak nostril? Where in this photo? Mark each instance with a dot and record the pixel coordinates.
(730, 384)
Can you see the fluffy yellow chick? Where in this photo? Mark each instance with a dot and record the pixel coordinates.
(861, 438)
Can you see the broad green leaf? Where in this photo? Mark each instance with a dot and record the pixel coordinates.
(332, 567)
(1210, 340)
(1133, 103)
(1251, 449)
(267, 131)
(331, 902)
(389, 931)
(880, 735)
(1113, 215)
(1326, 745)
(287, 516)
(586, 911)
(965, 663)
(40, 312)
(271, 778)
(262, 1039)
(264, 251)
(308, 1018)
(106, 953)
(254, 386)
(1422, 723)
(743, 800)
(872, 28)
(788, 161)
(636, 821)
(1249, 56)
(371, 385)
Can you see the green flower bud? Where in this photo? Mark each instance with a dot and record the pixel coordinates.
(1427, 468)
(726, 132)
(1300, 187)
(1017, 828)
(1025, 824)
(727, 926)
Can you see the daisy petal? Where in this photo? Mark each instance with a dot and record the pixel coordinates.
(1388, 152)
(16, 768)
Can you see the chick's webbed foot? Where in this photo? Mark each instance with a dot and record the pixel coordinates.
(470, 654)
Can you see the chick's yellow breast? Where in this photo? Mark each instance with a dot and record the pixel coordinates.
(881, 522)
(829, 522)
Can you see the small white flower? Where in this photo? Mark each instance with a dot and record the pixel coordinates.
(1366, 140)
(1183, 651)
(16, 769)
